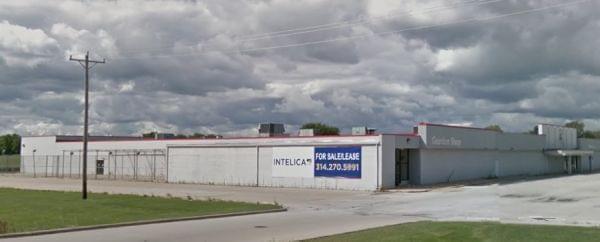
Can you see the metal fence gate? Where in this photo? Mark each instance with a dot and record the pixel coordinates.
(10, 163)
(138, 165)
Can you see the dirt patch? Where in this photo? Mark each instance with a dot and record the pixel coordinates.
(416, 190)
(513, 195)
(543, 218)
(426, 215)
(557, 199)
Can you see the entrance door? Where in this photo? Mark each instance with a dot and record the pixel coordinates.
(402, 173)
(99, 167)
(575, 164)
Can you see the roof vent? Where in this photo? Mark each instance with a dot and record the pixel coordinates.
(362, 130)
(270, 129)
(306, 132)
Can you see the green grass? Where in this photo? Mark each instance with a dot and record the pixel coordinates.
(468, 231)
(29, 210)
(10, 163)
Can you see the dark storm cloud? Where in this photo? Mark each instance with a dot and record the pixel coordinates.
(172, 66)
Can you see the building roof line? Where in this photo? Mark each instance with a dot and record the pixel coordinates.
(229, 138)
(454, 126)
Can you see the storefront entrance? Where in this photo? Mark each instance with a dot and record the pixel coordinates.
(572, 164)
(402, 167)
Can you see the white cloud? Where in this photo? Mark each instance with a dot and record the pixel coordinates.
(160, 74)
(18, 41)
(65, 31)
(23, 39)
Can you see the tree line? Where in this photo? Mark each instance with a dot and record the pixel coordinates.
(10, 144)
(182, 136)
(577, 125)
(582, 132)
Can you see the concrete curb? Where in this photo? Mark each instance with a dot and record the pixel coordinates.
(143, 222)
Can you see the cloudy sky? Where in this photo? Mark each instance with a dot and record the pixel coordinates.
(218, 66)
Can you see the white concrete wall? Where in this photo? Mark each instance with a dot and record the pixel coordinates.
(441, 165)
(414, 166)
(531, 162)
(210, 161)
(368, 180)
(457, 153)
(438, 166)
(449, 137)
(388, 162)
(558, 137)
(593, 145)
(238, 166)
(213, 165)
(43, 145)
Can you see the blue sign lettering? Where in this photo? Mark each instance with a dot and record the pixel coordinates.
(338, 162)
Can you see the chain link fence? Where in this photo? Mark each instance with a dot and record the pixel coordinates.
(10, 163)
(137, 165)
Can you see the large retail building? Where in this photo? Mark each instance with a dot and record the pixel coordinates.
(431, 154)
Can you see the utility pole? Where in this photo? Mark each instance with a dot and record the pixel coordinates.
(85, 63)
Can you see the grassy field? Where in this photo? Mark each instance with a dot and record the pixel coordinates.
(10, 163)
(468, 231)
(28, 210)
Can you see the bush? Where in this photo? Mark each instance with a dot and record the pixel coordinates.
(321, 129)
(3, 227)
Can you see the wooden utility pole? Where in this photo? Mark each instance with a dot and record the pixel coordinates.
(85, 63)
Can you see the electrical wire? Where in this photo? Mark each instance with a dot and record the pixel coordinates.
(348, 24)
(522, 12)
(329, 26)
(336, 23)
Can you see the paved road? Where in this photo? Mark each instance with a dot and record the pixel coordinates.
(573, 200)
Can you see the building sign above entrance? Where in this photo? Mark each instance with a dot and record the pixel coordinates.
(446, 141)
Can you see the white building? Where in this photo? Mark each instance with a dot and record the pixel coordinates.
(433, 154)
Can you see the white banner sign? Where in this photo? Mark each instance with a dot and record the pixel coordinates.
(293, 162)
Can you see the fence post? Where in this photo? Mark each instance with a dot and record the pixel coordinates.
(63, 164)
(34, 165)
(154, 165)
(116, 157)
(108, 164)
(58, 166)
(96, 170)
(46, 170)
(167, 168)
(79, 164)
(70, 163)
(135, 159)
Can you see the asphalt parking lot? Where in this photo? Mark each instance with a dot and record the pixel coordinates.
(566, 200)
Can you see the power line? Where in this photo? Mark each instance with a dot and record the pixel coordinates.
(353, 23)
(335, 25)
(415, 28)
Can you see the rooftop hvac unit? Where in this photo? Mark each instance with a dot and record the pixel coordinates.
(270, 129)
(307, 132)
(363, 130)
